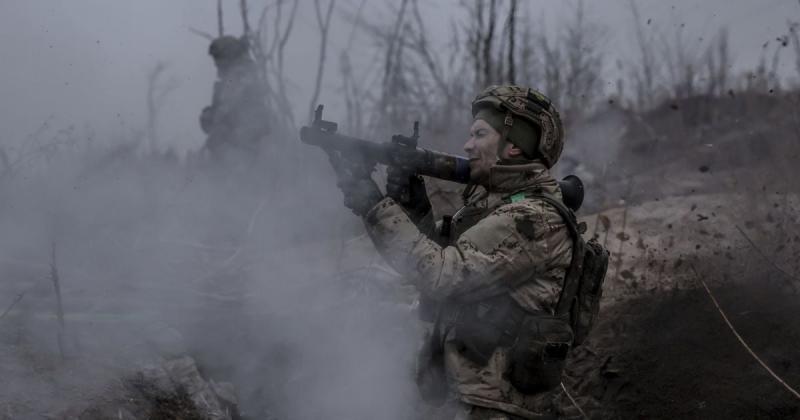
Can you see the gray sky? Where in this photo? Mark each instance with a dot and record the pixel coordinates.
(85, 61)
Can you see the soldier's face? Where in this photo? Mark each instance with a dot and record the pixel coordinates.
(483, 150)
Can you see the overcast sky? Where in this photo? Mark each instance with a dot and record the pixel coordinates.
(84, 62)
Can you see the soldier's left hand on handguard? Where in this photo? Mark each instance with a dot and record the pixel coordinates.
(354, 179)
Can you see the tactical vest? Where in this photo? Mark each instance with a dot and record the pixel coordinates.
(538, 343)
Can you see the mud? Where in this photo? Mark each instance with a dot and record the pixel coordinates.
(670, 355)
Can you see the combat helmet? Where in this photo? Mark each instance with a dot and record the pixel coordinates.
(533, 107)
(228, 48)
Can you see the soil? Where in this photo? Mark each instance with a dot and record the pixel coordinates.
(670, 355)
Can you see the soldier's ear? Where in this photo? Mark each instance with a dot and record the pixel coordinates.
(513, 151)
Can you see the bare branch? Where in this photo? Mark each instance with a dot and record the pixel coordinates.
(645, 81)
(424, 51)
(276, 27)
(5, 161)
(59, 305)
(356, 22)
(152, 105)
(281, 49)
(512, 14)
(245, 20)
(487, 44)
(324, 25)
(794, 34)
(289, 26)
(13, 303)
(157, 93)
(201, 34)
(220, 24)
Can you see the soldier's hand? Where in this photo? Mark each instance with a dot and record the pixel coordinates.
(355, 180)
(408, 189)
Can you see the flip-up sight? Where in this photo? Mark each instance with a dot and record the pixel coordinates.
(322, 125)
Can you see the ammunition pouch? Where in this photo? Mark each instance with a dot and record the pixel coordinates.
(483, 327)
(537, 344)
(537, 359)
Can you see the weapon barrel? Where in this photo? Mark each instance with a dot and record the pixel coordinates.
(425, 162)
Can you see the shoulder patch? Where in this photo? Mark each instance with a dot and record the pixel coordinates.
(517, 197)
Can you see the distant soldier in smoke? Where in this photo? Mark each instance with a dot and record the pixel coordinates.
(492, 278)
(235, 122)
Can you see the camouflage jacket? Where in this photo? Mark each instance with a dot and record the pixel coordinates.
(236, 116)
(518, 246)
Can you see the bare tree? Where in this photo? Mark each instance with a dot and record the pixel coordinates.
(416, 83)
(323, 25)
(157, 92)
(59, 305)
(353, 90)
(487, 43)
(794, 97)
(475, 38)
(245, 20)
(718, 64)
(794, 35)
(584, 64)
(681, 62)
(530, 68)
(268, 45)
(6, 169)
(220, 20)
(644, 77)
(202, 34)
(393, 83)
(552, 63)
(512, 18)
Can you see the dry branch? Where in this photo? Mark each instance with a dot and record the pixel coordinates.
(201, 34)
(59, 304)
(5, 161)
(424, 51)
(269, 55)
(794, 34)
(739, 337)
(245, 20)
(220, 23)
(772, 263)
(487, 44)
(157, 92)
(13, 303)
(324, 25)
(644, 78)
(512, 18)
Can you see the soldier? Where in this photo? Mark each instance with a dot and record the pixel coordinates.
(490, 281)
(236, 118)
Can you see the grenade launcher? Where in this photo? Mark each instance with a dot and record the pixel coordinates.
(403, 151)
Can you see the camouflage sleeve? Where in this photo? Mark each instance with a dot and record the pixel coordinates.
(500, 251)
(429, 227)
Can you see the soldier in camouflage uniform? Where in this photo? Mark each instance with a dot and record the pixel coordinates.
(235, 122)
(497, 270)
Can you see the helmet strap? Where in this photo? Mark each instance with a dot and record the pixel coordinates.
(508, 122)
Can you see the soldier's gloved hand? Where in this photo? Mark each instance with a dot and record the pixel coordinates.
(408, 189)
(354, 179)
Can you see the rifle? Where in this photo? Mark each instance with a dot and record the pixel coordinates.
(403, 151)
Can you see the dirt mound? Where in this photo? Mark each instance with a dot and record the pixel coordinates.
(670, 355)
(172, 389)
